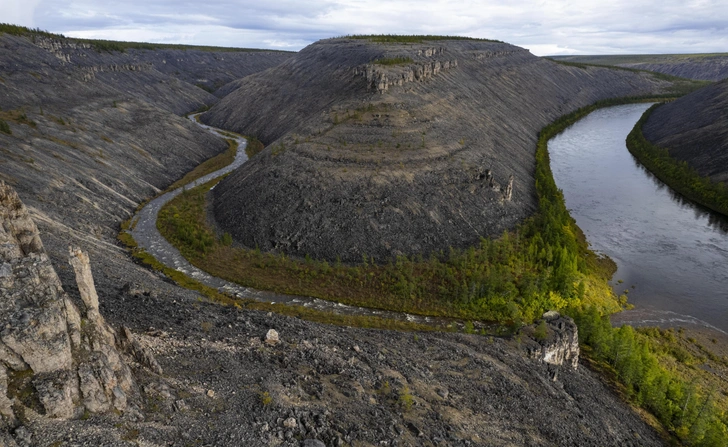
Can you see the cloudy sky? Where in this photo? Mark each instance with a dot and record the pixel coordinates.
(546, 27)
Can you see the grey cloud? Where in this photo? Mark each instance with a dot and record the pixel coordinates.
(622, 26)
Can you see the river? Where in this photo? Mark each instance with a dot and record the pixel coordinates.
(672, 255)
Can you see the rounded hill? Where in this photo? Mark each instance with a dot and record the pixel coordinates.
(384, 148)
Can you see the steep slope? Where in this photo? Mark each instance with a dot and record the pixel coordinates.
(389, 149)
(706, 67)
(93, 133)
(694, 129)
(209, 70)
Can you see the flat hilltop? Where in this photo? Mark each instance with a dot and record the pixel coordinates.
(388, 147)
(705, 66)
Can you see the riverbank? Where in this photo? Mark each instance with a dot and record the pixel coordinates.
(678, 175)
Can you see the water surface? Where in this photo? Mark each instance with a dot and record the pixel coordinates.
(672, 254)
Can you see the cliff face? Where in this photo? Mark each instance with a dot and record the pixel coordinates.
(396, 149)
(54, 360)
(694, 129)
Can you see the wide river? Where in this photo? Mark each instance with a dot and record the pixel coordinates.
(672, 255)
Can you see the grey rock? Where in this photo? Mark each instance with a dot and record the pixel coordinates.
(271, 337)
(560, 344)
(694, 129)
(313, 443)
(364, 158)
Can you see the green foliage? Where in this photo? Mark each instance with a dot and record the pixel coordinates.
(16, 30)
(405, 398)
(5, 128)
(397, 38)
(265, 398)
(111, 45)
(399, 60)
(226, 239)
(542, 331)
(677, 174)
(682, 407)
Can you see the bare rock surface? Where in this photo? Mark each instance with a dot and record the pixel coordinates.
(367, 155)
(706, 67)
(54, 359)
(694, 129)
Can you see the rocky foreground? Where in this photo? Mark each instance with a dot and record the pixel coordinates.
(694, 129)
(224, 376)
(396, 149)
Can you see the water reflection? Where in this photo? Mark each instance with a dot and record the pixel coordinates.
(671, 253)
(716, 221)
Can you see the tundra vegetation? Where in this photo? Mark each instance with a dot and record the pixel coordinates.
(120, 46)
(677, 174)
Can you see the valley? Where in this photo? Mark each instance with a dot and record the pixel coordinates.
(399, 176)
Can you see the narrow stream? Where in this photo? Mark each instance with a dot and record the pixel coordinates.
(672, 255)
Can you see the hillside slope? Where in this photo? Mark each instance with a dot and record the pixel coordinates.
(396, 149)
(694, 129)
(706, 67)
(93, 133)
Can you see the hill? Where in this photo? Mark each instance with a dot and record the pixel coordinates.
(694, 129)
(706, 67)
(396, 148)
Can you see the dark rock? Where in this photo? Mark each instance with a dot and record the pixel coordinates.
(694, 129)
(366, 159)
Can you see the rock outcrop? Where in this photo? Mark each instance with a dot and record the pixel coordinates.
(707, 67)
(54, 359)
(694, 129)
(381, 149)
(553, 340)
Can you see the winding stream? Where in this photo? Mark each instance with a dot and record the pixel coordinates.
(147, 236)
(672, 255)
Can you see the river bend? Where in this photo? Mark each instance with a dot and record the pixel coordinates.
(672, 255)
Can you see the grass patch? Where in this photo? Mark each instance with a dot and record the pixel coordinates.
(211, 165)
(678, 175)
(254, 147)
(17, 116)
(400, 38)
(399, 60)
(5, 128)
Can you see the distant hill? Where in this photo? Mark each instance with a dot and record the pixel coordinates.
(706, 67)
(386, 147)
(694, 129)
(87, 131)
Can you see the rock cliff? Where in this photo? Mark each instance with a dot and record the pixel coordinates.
(393, 149)
(54, 359)
(694, 129)
(554, 340)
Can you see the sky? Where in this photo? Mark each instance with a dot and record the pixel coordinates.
(545, 27)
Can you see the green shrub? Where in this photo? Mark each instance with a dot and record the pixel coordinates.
(5, 128)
